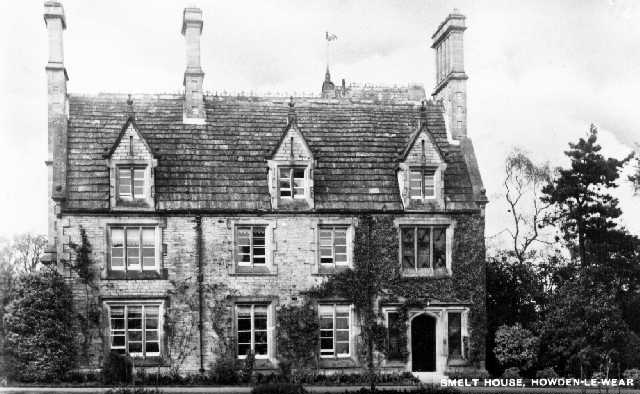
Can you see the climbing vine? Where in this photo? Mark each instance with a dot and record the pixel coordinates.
(298, 338)
(83, 266)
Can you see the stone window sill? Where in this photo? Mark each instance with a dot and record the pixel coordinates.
(137, 275)
(438, 273)
(252, 271)
(150, 362)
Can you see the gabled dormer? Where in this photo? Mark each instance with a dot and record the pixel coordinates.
(421, 172)
(131, 169)
(291, 168)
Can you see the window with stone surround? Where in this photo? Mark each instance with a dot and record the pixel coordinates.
(422, 183)
(335, 330)
(333, 246)
(133, 248)
(131, 182)
(455, 334)
(395, 329)
(423, 247)
(250, 245)
(252, 333)
(135, 328)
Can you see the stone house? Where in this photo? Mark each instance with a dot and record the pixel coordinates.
(205, 214)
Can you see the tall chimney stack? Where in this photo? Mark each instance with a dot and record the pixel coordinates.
(451, 80)
(193, 108)
(57, 106)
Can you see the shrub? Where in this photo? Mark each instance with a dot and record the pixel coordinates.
(279, 388)
(133, 390)
(39, 330)
(516, 347)
(117, 368)
(632, 374)
(247, 367)
(547, 373)
(511, 373)
(224, 371)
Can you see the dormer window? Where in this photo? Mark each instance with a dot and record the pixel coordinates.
(131, 171)
(131, 182)
(422, 183)
(292, 182)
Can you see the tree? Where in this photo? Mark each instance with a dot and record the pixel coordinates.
(584, 328)
(584, 210)
(39, 329)
(523, 186)
(27, 249)
(516, 347)
(515, 295)
(584, 331)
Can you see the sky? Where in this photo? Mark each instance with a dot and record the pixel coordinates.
(540, 72)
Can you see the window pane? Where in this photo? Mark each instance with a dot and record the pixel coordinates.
(152, 347)
(135, 347)
(326, 322)
(342, 335)
(117, 341)
(244, 349)
(298, 173)
(133, 247)
(394, 335)
(148, 247)
(285, 182)
(342, 322)
(151, 317)
(424, 251)
(260, 337)
(244, 337)
(440, 247)
(408, 248)
(261, 349)
(455, 334)
(342, 348)
(134, 317)
(117, 248)
(124, 182)
(415, 184)
(138, 182)
(429, 185)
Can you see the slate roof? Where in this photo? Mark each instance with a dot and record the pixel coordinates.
(222, 165)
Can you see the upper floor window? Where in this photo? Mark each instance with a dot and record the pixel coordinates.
(133, 248)
(135, 329)
(292, 182)
(422, 183)
(335, 330)
(252, 332)
(131, 182)
(333, 246)
(423, 247)
(250, 244)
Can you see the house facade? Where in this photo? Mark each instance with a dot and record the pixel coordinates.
(205, 214)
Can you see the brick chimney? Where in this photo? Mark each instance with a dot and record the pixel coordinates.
(451, 80)
(193, 108)
(57, 106)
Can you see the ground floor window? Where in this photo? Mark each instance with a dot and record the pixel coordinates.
(395, 333)
(455, 334)
(135, 329)
(335, 330)
(252, 332)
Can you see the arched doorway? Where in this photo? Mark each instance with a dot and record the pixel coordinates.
(423, 343)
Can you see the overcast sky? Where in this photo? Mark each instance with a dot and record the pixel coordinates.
(539, 71)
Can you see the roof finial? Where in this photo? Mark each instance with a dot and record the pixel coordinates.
(292, 117)
(423, 113)
(130, 112)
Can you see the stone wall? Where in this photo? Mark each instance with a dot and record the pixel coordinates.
(292, 267)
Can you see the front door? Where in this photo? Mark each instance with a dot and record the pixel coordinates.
(423, 343)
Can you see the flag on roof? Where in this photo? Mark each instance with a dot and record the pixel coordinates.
(329, 36)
